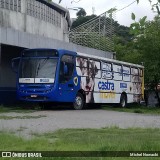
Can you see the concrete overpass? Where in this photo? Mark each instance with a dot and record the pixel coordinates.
(31, 24)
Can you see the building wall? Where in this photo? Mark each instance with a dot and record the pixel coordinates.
(34, 17)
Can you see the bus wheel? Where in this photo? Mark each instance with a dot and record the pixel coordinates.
(79, 102)
(123, 101)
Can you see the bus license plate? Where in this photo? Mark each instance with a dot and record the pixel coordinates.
(33, 96)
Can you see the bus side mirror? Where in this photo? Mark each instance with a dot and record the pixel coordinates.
(65, 69)
(15, 64)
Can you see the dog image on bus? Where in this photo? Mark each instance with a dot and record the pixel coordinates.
(88, 71)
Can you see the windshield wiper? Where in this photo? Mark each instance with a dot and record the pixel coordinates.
(40, 65)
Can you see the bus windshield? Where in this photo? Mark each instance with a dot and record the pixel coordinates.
(38, 68)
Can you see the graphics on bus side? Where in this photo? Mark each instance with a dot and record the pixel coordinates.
(104, 83)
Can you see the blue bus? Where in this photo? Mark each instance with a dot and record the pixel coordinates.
(57, 75)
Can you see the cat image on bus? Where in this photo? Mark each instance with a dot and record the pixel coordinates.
(57, 75)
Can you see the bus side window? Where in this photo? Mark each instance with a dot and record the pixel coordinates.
(82, 66)
(140, 72)
(106, 70)
(126, 74)
(135, 75)
(66, 68)
(94, 68)
(117, 69)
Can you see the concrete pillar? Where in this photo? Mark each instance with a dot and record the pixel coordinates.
(24, 12)
(23, 6)
(0, 53)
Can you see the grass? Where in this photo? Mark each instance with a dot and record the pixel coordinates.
(19, 108)
(105, 139)
(21, 117)
(134, 108)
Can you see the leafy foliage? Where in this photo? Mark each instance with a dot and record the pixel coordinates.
(81, 20)
(149, 45)
(81, 13)
(133, 16)
(145, 47)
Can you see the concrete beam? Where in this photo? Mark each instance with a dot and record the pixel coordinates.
(26, 40)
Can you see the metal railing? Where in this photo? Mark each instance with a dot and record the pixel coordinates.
(96, 33)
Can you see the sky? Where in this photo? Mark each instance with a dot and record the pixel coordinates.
(100, 6)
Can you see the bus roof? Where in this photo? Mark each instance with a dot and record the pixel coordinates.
(109, 60)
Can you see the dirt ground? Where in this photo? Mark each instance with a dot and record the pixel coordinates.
(28, 124)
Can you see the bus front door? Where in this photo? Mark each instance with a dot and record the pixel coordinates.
(66, 80)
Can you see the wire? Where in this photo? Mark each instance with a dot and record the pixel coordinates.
(126, 6)
(117, 10)
(75, 1)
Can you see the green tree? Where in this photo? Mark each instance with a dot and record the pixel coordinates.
(81, 20)
(147, 36)
(81, 13)
(127, 51)
(149, 46)
(145, 47)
